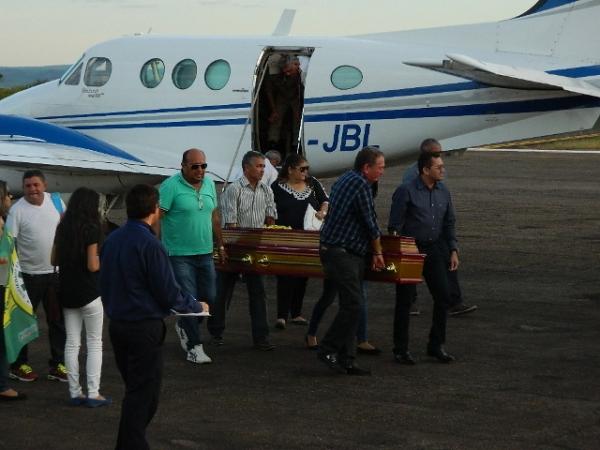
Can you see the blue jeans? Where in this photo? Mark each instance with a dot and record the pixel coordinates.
(326, 299)
(197, 276)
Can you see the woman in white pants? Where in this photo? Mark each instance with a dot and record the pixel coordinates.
(75, 252)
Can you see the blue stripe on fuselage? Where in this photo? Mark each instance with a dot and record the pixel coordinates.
(516, 107)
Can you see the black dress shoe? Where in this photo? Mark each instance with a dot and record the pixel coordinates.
(404, 358)
(331, 360)
(440, 354)
(353, 369)
(263, 345)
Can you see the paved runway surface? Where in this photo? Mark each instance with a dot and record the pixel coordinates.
(528, 369)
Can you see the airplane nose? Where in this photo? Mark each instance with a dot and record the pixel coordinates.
(30, 102)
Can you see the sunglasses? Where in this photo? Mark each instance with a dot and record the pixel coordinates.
(303, 169)
(198, 166)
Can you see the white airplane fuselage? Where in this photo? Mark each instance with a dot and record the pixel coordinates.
(395, 105)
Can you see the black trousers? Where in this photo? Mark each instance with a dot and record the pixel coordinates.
(257, 304)
(347, 272)
(138, 354)
(43, 289)
(435, 272)
(290, 296)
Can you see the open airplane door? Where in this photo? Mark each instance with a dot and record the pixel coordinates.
(277, 115)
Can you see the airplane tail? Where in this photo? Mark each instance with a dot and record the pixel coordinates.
(556, 28)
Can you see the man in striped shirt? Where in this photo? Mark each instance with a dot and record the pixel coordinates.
(247, 202)
(349, 233)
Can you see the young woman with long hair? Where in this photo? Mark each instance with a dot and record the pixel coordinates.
(75, 252)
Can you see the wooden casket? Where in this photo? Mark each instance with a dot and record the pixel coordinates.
(296, 252)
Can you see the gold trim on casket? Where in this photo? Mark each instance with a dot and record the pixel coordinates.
(296, 252)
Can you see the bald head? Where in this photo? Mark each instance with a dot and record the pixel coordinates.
(193, 166)
(191, 153)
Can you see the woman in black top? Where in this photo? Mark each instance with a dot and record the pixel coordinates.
(75, 252)
(294, 190)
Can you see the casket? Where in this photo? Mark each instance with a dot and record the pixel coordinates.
(296, 252)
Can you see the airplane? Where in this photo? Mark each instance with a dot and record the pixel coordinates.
(151, 97)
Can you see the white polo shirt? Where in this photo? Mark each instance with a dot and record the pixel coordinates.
(34, 227)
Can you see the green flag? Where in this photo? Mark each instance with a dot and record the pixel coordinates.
(20, 323)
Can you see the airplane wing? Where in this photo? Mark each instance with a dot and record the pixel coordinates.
(505, 76)
(30, 154)
(71, 159)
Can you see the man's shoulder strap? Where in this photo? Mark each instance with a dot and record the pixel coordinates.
(56, 200)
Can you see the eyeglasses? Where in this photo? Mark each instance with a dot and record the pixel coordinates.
(200, 202)
(303, 168)
(198, 166)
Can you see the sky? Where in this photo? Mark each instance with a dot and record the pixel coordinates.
(46, 32)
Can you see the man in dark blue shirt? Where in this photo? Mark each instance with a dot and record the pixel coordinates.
(349, 233)
(457, 306)
(138, 290)
(423, 209)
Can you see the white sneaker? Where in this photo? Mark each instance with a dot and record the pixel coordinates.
(183, 339)
(197, 355)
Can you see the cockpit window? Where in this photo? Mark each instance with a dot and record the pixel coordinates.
(184, 73)
(73, 68)
(75, 77)
(346, 77)
(152, 73)
(97, 72)
(217, 74)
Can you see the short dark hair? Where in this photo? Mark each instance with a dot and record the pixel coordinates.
(141, 201)
(429, 144)
(368, 155)
(425, 160)
(249, 156)
(34, 173)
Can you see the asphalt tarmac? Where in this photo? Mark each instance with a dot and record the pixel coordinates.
(528, 362)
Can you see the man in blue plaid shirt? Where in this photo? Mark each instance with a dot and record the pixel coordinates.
(349, 233)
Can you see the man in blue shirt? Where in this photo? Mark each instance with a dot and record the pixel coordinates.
(349, 233)
(138, 290)
(423, 210)
(457, 305)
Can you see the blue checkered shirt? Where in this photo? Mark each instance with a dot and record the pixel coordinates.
(351, 221)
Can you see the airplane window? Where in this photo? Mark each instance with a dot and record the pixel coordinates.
(71, 69)
(75, 77)
(152, 73)
(184, 73)
(97, 72)
(217, 74)
(346, 77)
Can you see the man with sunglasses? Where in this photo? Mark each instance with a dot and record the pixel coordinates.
(190, 227)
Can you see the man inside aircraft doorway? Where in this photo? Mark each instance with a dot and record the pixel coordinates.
(285, 94)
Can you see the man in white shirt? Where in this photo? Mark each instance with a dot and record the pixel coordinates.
(32, 222)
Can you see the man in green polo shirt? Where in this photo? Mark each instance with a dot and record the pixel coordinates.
(190, 226)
